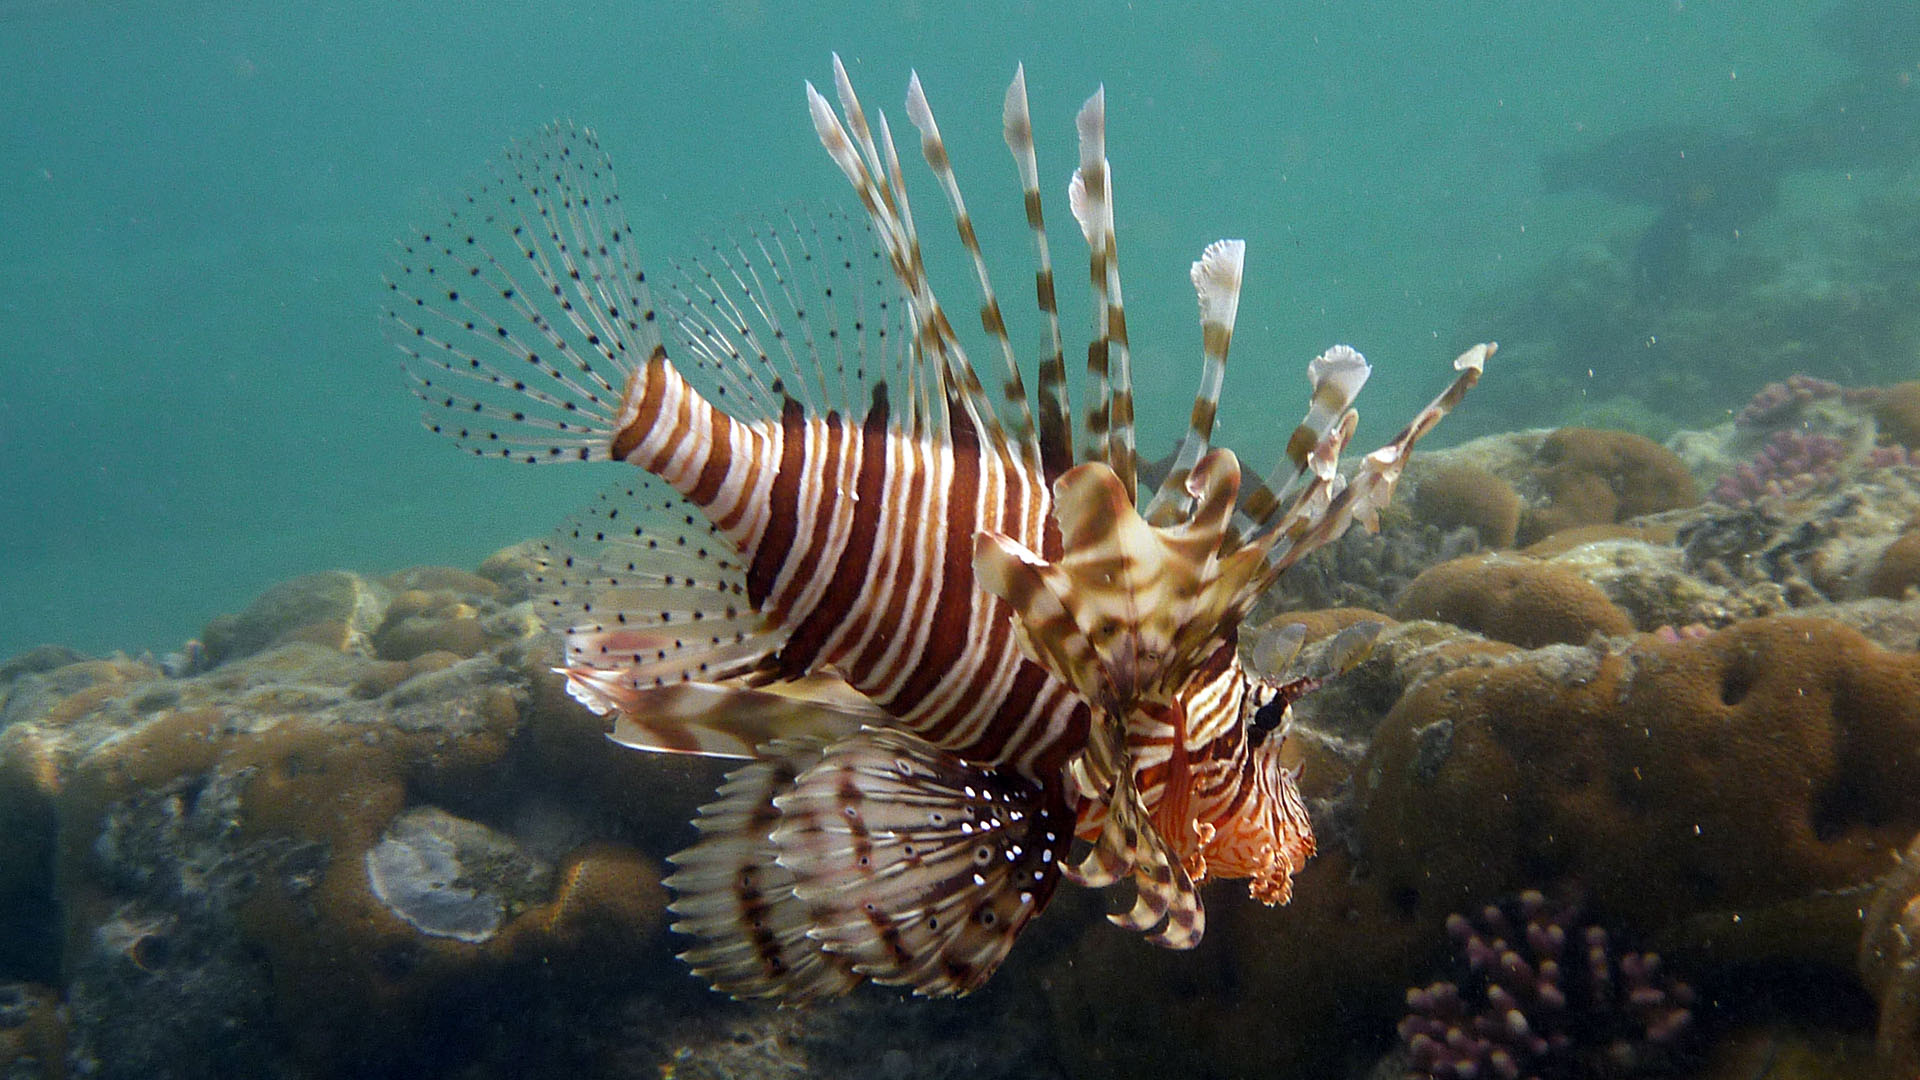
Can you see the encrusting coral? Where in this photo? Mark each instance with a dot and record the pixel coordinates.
(1890, 965)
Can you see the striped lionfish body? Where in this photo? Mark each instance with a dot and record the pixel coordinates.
(948, 646)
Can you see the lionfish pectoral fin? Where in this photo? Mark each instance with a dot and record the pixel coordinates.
(918, 867)
(1047, 627)
(737, 902)
(730, 721)
(1130, 845)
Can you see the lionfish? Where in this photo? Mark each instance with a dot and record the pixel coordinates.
(959, 658)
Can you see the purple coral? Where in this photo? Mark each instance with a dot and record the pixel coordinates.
(1544, 997)
(1789, 463)
(1777, 400)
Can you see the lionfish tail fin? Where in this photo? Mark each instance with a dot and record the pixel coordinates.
(522, 315)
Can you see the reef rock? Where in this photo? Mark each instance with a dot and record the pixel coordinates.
(308, 859)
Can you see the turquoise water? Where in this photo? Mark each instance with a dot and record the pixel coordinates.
(199, 199)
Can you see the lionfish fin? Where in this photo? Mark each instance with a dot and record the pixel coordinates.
(800, 308)
(992, 319)
(732, 896)
(872, 166)
(1336, 377)
(733, 721)
(1325, 508)
(1127, 844)
(875, 856)
(650, 594)
(1056, 413)
(1109, 363)
(523, 315)
(1216, 282)
(1129, 608)
(919, 866)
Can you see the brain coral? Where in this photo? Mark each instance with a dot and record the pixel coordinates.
(1769, 762)
(1594, 477)
(1461, 494)
(1518, 600)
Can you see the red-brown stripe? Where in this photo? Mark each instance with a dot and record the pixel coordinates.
(850, 578)
(783, 512)
(648, 412)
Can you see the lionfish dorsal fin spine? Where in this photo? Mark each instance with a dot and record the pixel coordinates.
(1056, 411)
(1336, 377)
(992, 319)
(1216, 280)
(1371, 487)
(874, 170)
(1109, 362)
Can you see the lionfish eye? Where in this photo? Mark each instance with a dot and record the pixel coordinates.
(1266, 718)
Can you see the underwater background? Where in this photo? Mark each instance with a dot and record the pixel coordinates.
(200, 201)
(1644, 724)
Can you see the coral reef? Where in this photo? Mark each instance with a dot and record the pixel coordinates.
(1890, 965)
(1523, 601)
(1790, 463)
(1768, 761)
(1464, 494)
(1594, 477)
(313, 855)
(1536, 993)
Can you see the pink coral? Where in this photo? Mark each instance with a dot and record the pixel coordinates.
(1789, 463)
(1779, 399)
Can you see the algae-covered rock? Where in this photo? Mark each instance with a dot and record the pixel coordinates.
(335, 606)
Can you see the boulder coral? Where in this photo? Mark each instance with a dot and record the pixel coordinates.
(1522, 601)
(1464, 494)
(1739, 772)
(1590, 476)
(1896, 411)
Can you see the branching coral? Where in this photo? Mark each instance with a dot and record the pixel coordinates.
(1540, 995)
